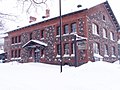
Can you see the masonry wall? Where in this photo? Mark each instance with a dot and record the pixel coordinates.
(83, 21)
(96, 15)
(50, 37)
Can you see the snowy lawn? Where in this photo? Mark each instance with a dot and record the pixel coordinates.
(36, 76)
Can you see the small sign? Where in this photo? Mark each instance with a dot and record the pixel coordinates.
(82, 45)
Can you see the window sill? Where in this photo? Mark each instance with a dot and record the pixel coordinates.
(66, 34)
(16, 43)
(105, 37)
(113, 56)
(66, 55)
(57, 35)
(15, 58)
(106, 56)
(96, 34)
(72, 55)
(58, 55)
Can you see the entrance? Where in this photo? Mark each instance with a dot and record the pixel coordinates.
(37, 55)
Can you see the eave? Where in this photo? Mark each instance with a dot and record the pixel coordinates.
(112, 15)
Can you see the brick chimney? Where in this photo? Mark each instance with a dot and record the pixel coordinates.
(47, 13)
(32, 19)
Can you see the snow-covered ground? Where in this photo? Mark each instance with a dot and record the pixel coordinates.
(36, 76)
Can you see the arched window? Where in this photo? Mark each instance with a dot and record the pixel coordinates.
(111, 36)
(113, 50)
(95, 29)
(104, 33)
(105, 49)
(96, 48)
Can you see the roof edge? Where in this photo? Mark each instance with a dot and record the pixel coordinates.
(48, 20)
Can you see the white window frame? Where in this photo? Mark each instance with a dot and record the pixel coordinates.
(104, 33)
(66, 29)
(105, 50)
(66, 49)
(73, 49)
(73, 27)
(113, 50)
(111, 36)
(95, 29)
(96, 48)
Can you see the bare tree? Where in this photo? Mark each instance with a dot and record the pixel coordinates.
(27, 5)
(4, 17)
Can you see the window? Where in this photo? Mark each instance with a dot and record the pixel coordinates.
(66, 49)
(19, 39)
(19, 52)
(73, 27)
(42, 52)
(72, 48)
(58, 30)
(96, 48)
(66, 31)
(113, 51)
(16, 39)
(95, 29)
(42, 33)
(30, 53)
(30, 35)
(58, 49)
(12, 40)
(111, 36)
(104, 33)
(104, 17)
(105, 49)
(12, 54)
(15, 53)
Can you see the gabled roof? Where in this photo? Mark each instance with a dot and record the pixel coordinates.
(112, 15)
(34, 42)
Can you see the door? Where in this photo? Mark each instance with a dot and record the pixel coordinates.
(37, 55)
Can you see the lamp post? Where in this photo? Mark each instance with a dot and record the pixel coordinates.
(61, 61)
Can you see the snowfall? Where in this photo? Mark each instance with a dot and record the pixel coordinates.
(37, 76)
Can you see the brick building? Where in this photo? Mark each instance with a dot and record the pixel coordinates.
(88, 34)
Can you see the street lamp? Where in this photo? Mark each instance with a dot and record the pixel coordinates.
(61, 61)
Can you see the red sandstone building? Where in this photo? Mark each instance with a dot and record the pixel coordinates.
(89, 34)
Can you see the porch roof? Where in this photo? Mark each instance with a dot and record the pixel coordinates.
(33, 42)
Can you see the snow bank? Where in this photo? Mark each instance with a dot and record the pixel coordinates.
(36, 76)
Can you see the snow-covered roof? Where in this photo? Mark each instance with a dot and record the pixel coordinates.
(35, 41)
(49, 19)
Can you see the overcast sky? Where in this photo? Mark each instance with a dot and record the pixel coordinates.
(68, 6)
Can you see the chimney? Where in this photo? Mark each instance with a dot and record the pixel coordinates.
(47, 13)
(32, 19)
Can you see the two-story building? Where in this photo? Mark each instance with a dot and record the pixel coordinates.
(86, 35)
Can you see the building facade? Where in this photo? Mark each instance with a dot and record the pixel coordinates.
(87, 35)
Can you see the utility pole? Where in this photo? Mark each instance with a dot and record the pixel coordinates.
(61, 61)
